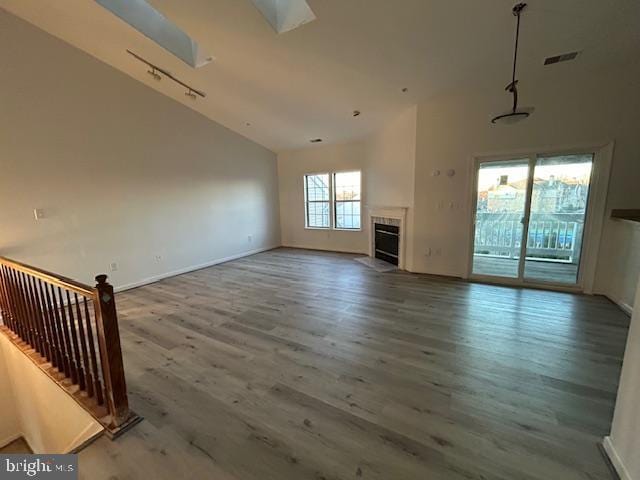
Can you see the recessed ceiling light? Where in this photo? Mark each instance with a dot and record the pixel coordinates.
(316, 140)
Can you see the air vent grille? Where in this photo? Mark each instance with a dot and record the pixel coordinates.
(565, 57)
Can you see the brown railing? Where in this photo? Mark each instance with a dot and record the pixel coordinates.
(72, 329)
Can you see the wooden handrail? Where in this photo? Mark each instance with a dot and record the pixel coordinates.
(51, 315)
(52, 278)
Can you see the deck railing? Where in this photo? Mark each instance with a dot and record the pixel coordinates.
(73, 328)
(551, 237)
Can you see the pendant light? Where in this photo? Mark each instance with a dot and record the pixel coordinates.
(515, 115)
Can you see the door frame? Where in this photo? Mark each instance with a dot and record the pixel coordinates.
(594, 216)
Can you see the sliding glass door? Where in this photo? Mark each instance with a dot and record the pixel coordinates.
(500, 214)
(560, 194)
(530, 218)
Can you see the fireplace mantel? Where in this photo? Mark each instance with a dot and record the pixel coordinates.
(388, 212)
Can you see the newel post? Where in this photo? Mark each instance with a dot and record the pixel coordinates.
(111, 357)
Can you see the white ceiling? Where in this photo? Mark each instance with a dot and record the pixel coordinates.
(358, 54)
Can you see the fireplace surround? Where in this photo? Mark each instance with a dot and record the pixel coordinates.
(392, 217)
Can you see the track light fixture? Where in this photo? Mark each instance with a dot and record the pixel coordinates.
(157, 73)
(154, 74)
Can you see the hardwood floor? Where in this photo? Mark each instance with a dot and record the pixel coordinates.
(293, 364)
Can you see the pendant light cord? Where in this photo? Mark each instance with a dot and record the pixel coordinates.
(517, 9)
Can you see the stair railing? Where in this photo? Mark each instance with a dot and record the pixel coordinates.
(72, 331)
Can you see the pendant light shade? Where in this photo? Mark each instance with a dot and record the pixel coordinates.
(516, 114)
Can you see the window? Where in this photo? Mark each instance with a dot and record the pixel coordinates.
(339, 193)
(316, 197)
(347, 200)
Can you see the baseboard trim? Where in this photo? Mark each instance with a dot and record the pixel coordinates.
(616, 462)
(193, 268)
(626, 308)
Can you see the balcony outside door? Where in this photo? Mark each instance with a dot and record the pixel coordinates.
(530, 219)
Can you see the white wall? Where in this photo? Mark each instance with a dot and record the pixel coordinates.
(619, 265)
(47, 417)
(123, 174)
(9, 421)
(623, 444)
(573, 108)
(386, 160)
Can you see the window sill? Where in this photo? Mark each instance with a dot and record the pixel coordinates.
(328, 229)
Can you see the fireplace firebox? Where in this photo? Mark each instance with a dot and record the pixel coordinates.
(387, 242)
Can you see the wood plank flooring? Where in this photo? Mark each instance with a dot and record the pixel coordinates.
(294, 364)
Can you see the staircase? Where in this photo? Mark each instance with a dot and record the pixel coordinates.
(70, 330)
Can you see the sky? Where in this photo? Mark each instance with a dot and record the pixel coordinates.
(489, 176)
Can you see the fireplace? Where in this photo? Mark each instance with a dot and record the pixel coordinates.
(387, 234)
(386, 242)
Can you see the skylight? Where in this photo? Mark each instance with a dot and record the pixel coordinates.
(150, 22)
(285, 15)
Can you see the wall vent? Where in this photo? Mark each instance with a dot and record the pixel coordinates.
(565, 57)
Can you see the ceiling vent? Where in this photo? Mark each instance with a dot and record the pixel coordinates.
(565, 57)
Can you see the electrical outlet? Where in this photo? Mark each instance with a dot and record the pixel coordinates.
(249, 238)
(158, 258)
(114, 266)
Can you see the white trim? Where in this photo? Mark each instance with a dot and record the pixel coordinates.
(11, 438)
(621, 470)
(628, 309)
(162, 276)
(79, 443)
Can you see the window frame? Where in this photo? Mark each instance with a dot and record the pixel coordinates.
(332, 200)
(307, 201)
(335, 201)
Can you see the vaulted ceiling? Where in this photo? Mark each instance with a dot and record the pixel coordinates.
(281, 90)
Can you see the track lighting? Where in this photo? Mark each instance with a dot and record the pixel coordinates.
(157, 73)
(154, 74)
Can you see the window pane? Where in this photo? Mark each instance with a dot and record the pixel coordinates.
(347, 199)
(348, 215)
(347, 186)
(316, 192)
